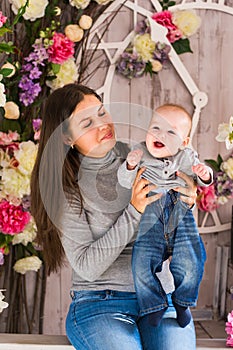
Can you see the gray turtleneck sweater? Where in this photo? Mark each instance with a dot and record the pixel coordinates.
(98, 242)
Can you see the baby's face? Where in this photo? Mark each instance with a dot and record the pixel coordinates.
(167, 133)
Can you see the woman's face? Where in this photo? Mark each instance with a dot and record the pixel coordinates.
(91, 128)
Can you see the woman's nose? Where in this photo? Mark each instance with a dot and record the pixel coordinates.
(102, 125)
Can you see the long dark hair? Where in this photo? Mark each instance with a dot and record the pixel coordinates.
(55, 171)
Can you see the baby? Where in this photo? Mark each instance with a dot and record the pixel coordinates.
(167, 227)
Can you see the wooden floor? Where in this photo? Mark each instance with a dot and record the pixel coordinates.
(210, 329)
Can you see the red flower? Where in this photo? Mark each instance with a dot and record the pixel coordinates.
(206, 198)
(61, 50)
(165, 19)
(12, 218)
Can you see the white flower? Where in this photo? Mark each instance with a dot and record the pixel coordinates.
(222, 200)
(80, 4)
(28, 234)
(3, 304)
(66, 75)
(225, 133)
(26, 156)
(57, 11)
(85, 22)
(35, 9)
(11, 110)
(31, 263)
(144, 46)
(187, 21)
(2, 95)
(227, 166)
(13, 183)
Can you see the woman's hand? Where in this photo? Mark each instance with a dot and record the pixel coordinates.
(189, 193)
(140, 190)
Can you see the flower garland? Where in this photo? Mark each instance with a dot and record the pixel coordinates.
(40, 41)
(221, 191)
(45, 58)
(17, 226)
(143, 55)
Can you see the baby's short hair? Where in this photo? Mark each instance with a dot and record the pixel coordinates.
(178, 108)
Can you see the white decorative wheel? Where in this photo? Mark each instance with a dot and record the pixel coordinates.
(199, 97)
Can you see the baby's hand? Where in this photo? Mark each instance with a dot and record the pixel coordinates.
(134, 158)
(201, 171)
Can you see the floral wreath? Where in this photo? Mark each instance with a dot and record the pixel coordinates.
(221, 191)
(143, 55)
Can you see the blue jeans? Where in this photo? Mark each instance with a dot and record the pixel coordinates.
(167, 228)
(108, 320)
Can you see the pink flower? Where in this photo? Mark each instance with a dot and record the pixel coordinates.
(229, 329)
(12, 218)
(7, 138)
(206, 198)
(2, 19)
(165, 19)
(61, 50)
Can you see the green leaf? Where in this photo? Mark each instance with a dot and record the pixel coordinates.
(171, 3)
(214, 165)
(20, 13)
(182, 46)
(4, 30)
(6, 71)
(51, 77)
(219, 160)
(31, 249)
(4, 47)
(56, 68)
(148, 68)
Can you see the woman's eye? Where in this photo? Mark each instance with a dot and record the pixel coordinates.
(87, 124)
(102, 113)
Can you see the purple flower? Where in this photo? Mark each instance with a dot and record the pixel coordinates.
(142, 27)
(130, 65)
(36, 124)
(35, 73)
(161, 52)
(26, 99)
(27, 67)
(25, 83)
(26, 202)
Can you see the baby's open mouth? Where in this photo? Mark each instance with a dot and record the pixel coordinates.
(158, 144)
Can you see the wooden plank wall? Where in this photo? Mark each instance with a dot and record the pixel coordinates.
(211, 67)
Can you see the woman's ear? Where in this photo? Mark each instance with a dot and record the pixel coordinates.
(186, 141)
(67, 140)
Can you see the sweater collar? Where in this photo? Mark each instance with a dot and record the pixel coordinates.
(91, 163)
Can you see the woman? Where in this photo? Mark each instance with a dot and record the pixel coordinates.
(82, 212)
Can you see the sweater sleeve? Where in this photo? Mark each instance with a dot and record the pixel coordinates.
(126, 177)
(89, 256)
(198, 179)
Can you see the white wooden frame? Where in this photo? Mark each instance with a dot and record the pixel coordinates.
(199, 97)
